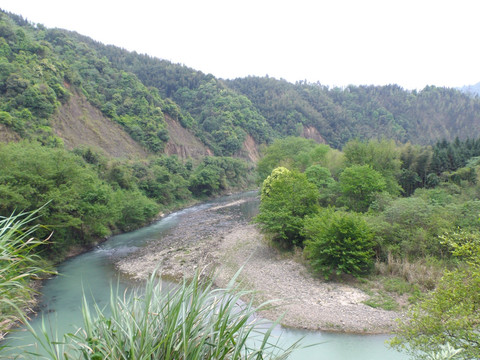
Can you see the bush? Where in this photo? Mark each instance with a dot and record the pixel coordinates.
(359, 184)
(338, 242)
(289, 199)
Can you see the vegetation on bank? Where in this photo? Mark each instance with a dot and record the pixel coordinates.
(407, 213)
(88, 196)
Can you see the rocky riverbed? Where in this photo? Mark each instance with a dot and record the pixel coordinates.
(218, 241)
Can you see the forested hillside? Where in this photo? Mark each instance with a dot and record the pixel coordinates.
(91, 142)
(42, 68)
(363, 112)
(267, 108)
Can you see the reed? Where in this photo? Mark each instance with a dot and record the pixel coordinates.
(19, 264)
(192, 321)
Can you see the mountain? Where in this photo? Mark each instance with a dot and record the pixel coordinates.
(60, 87)
(363, 112)
(471, 89)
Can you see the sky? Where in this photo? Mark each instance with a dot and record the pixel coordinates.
(412, 43)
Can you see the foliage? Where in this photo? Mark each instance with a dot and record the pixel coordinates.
(191, 321)
(268, 182)
(382, 156)
(450, 313)
(322, 178)
(216, 174)
(290, 198)
(363, 112)
(81, 206)
(446, 352)
(338, 242)
(409, 227)
(358, 185)
(293, 153)
(19, 264)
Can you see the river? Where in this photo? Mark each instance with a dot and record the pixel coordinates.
(94, 273)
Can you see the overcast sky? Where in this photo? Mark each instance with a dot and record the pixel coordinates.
(412, 43)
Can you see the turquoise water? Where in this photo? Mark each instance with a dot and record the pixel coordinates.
(93, 273)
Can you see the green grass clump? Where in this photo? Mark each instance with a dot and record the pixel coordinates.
(382, 300)
(192, 321)
(19, 264)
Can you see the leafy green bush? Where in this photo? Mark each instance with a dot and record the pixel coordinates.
(290, 198)
(338, 242)
(359, 184)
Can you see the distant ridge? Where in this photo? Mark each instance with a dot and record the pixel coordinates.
(471, 89)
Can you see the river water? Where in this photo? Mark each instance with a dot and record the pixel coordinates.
(93, 274)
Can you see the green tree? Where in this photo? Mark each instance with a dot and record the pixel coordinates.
(267, 183)
(283, 208)
(338, 242)
(293, 153)
(358, 185)
(383, 156)
(322, 178)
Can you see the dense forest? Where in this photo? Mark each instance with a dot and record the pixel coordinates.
(365, 180)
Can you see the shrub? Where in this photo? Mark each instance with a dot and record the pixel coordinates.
(289, 199)
(338, 242)
(449, 314)
(359, 184)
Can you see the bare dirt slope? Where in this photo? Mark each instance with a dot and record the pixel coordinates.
(79, 123)
(182, 142)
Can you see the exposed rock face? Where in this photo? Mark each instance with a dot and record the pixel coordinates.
(182, 142)
(79, 123)
(309, 132)
(249, 150)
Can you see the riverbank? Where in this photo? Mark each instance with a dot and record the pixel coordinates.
(217, 241)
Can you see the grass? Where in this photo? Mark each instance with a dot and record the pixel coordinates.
(382, 300)
(425, 273)
(399, 282)
(19, 264)
(192, 321)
